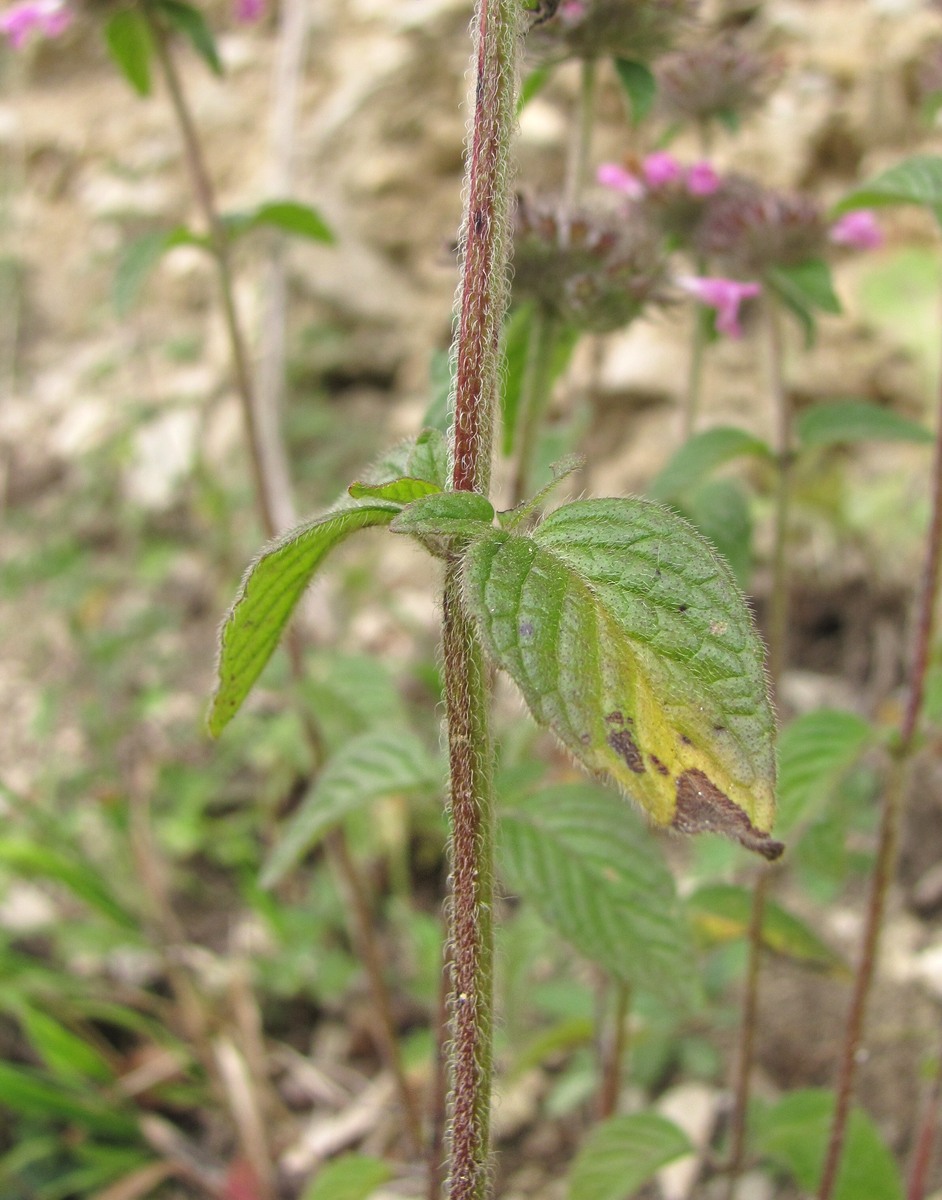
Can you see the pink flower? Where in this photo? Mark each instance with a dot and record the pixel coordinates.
(702, 180)
(570, 12)
(49, 18)
(857, 228)
(248, 11)
(661, 168)
(620, 180)
(725, 295)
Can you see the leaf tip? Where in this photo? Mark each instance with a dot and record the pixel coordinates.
(702, 807)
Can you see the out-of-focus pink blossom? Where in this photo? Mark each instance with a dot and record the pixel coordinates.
(661, 168)
(701, 179)
(859, 229)
(571, 11)
(248, 11)
(620, 179)
(724, 295)
(49, 18)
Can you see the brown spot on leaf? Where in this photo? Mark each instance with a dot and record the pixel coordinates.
(615, 718)
(626, 748)
(658, 765)
(703, 808)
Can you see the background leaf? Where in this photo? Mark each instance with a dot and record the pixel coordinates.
(380, 762)
(290, 216)
(701, 455)
(189, 21)
(917, 180)
(140, 256)
(129, 44)
(630, 639)
(856, 421)
(719, 508)
(350, 1177)
(794, 1132)
(584, 860)
(814, 750)
(623, 1153)
(723, 911)
(639, 86)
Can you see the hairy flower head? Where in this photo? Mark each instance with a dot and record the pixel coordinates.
(590, 271)
(636, 29)
(749, 229)
(713, 80)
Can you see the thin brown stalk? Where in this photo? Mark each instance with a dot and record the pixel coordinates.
(924, 1148)
(615, 1052)
(893, 800)
(580, 148)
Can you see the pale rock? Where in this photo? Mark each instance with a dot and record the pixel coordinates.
(642, 359)
(542, 124)
(163, 452)
(83, 426)
(105, 195)
(693, 1107)
(25, 909)
(928, 968)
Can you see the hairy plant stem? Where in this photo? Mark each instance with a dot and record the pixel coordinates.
(481, 306)
(272, 506)
(893, 798)
(581, 145)
(534, 398)
(777, 637)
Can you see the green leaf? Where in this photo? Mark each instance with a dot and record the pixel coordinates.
(402, 491)
(793, 1134)
(917, 180)
(138, 259)
(532, 85)
(805, 288)
(30, 1094)
(350, 1177)
(33, 860)
(630, 639)
(592, 871)
(189, 21)
(623, 1153)
(271, 587)
(701, 455)
(856, 421)
(722, 912)
(445, 515)
(639, 86)
(70, 1057)
(129, 44)
(378, 763)
(719, 508)
(428, 458)
(290, 216)
(814, 751)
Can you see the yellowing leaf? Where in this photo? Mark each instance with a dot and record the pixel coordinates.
(630, 639)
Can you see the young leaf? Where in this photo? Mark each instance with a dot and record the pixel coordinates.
(623, 1153)
(917, 180)
(639, 86)
(723, 911)
(595, 874)
(271, 587)
(402, 491)
(702, 454)
(445, 515)
(856, 421)
(532, 84)
(350, 1177)
(290, 216)
(380, 762)
(192, 24)
(793, 1134)
(129, 44)
(814, 750)
(630, 639)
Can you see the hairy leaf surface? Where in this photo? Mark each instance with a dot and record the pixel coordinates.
(600, 879)
(630, 639)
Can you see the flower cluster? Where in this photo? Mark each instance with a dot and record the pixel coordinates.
(588, 29)
(714, 80)
(594, 273)
(47, 18)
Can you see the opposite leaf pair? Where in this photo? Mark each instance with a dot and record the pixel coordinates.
(625, 632)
